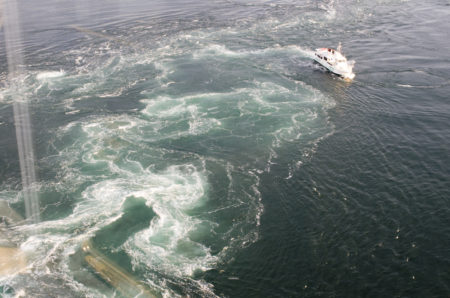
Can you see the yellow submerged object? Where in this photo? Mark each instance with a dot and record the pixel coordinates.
(12, 259)
(121, 280)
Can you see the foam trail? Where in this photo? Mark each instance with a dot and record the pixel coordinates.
(22, 121)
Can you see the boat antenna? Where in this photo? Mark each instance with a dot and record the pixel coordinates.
(339, 48)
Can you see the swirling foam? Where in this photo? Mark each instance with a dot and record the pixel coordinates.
(194, 156)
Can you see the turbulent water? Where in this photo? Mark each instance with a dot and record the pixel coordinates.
(199, 147)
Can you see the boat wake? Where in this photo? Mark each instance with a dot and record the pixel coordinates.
(187, 127)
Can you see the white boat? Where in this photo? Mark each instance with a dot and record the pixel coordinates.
(334, 61)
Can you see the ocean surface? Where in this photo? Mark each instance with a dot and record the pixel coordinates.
(199, 147)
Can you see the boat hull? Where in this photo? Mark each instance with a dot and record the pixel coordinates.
(335, 62)
(331, 68)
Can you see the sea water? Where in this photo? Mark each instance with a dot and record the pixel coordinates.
(203, 151)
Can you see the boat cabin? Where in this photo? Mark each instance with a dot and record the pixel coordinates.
(330, 55)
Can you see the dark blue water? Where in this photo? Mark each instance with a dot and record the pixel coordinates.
(199, 147)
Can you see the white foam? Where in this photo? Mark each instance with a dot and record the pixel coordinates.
(216, 49)
(171, 194)
(166, 245)
(221, 50)
(72, 112)
(46, 75)
(104, 143)
(98, 152)
(166, 111)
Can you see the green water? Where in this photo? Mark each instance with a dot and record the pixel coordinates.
(202, 150)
